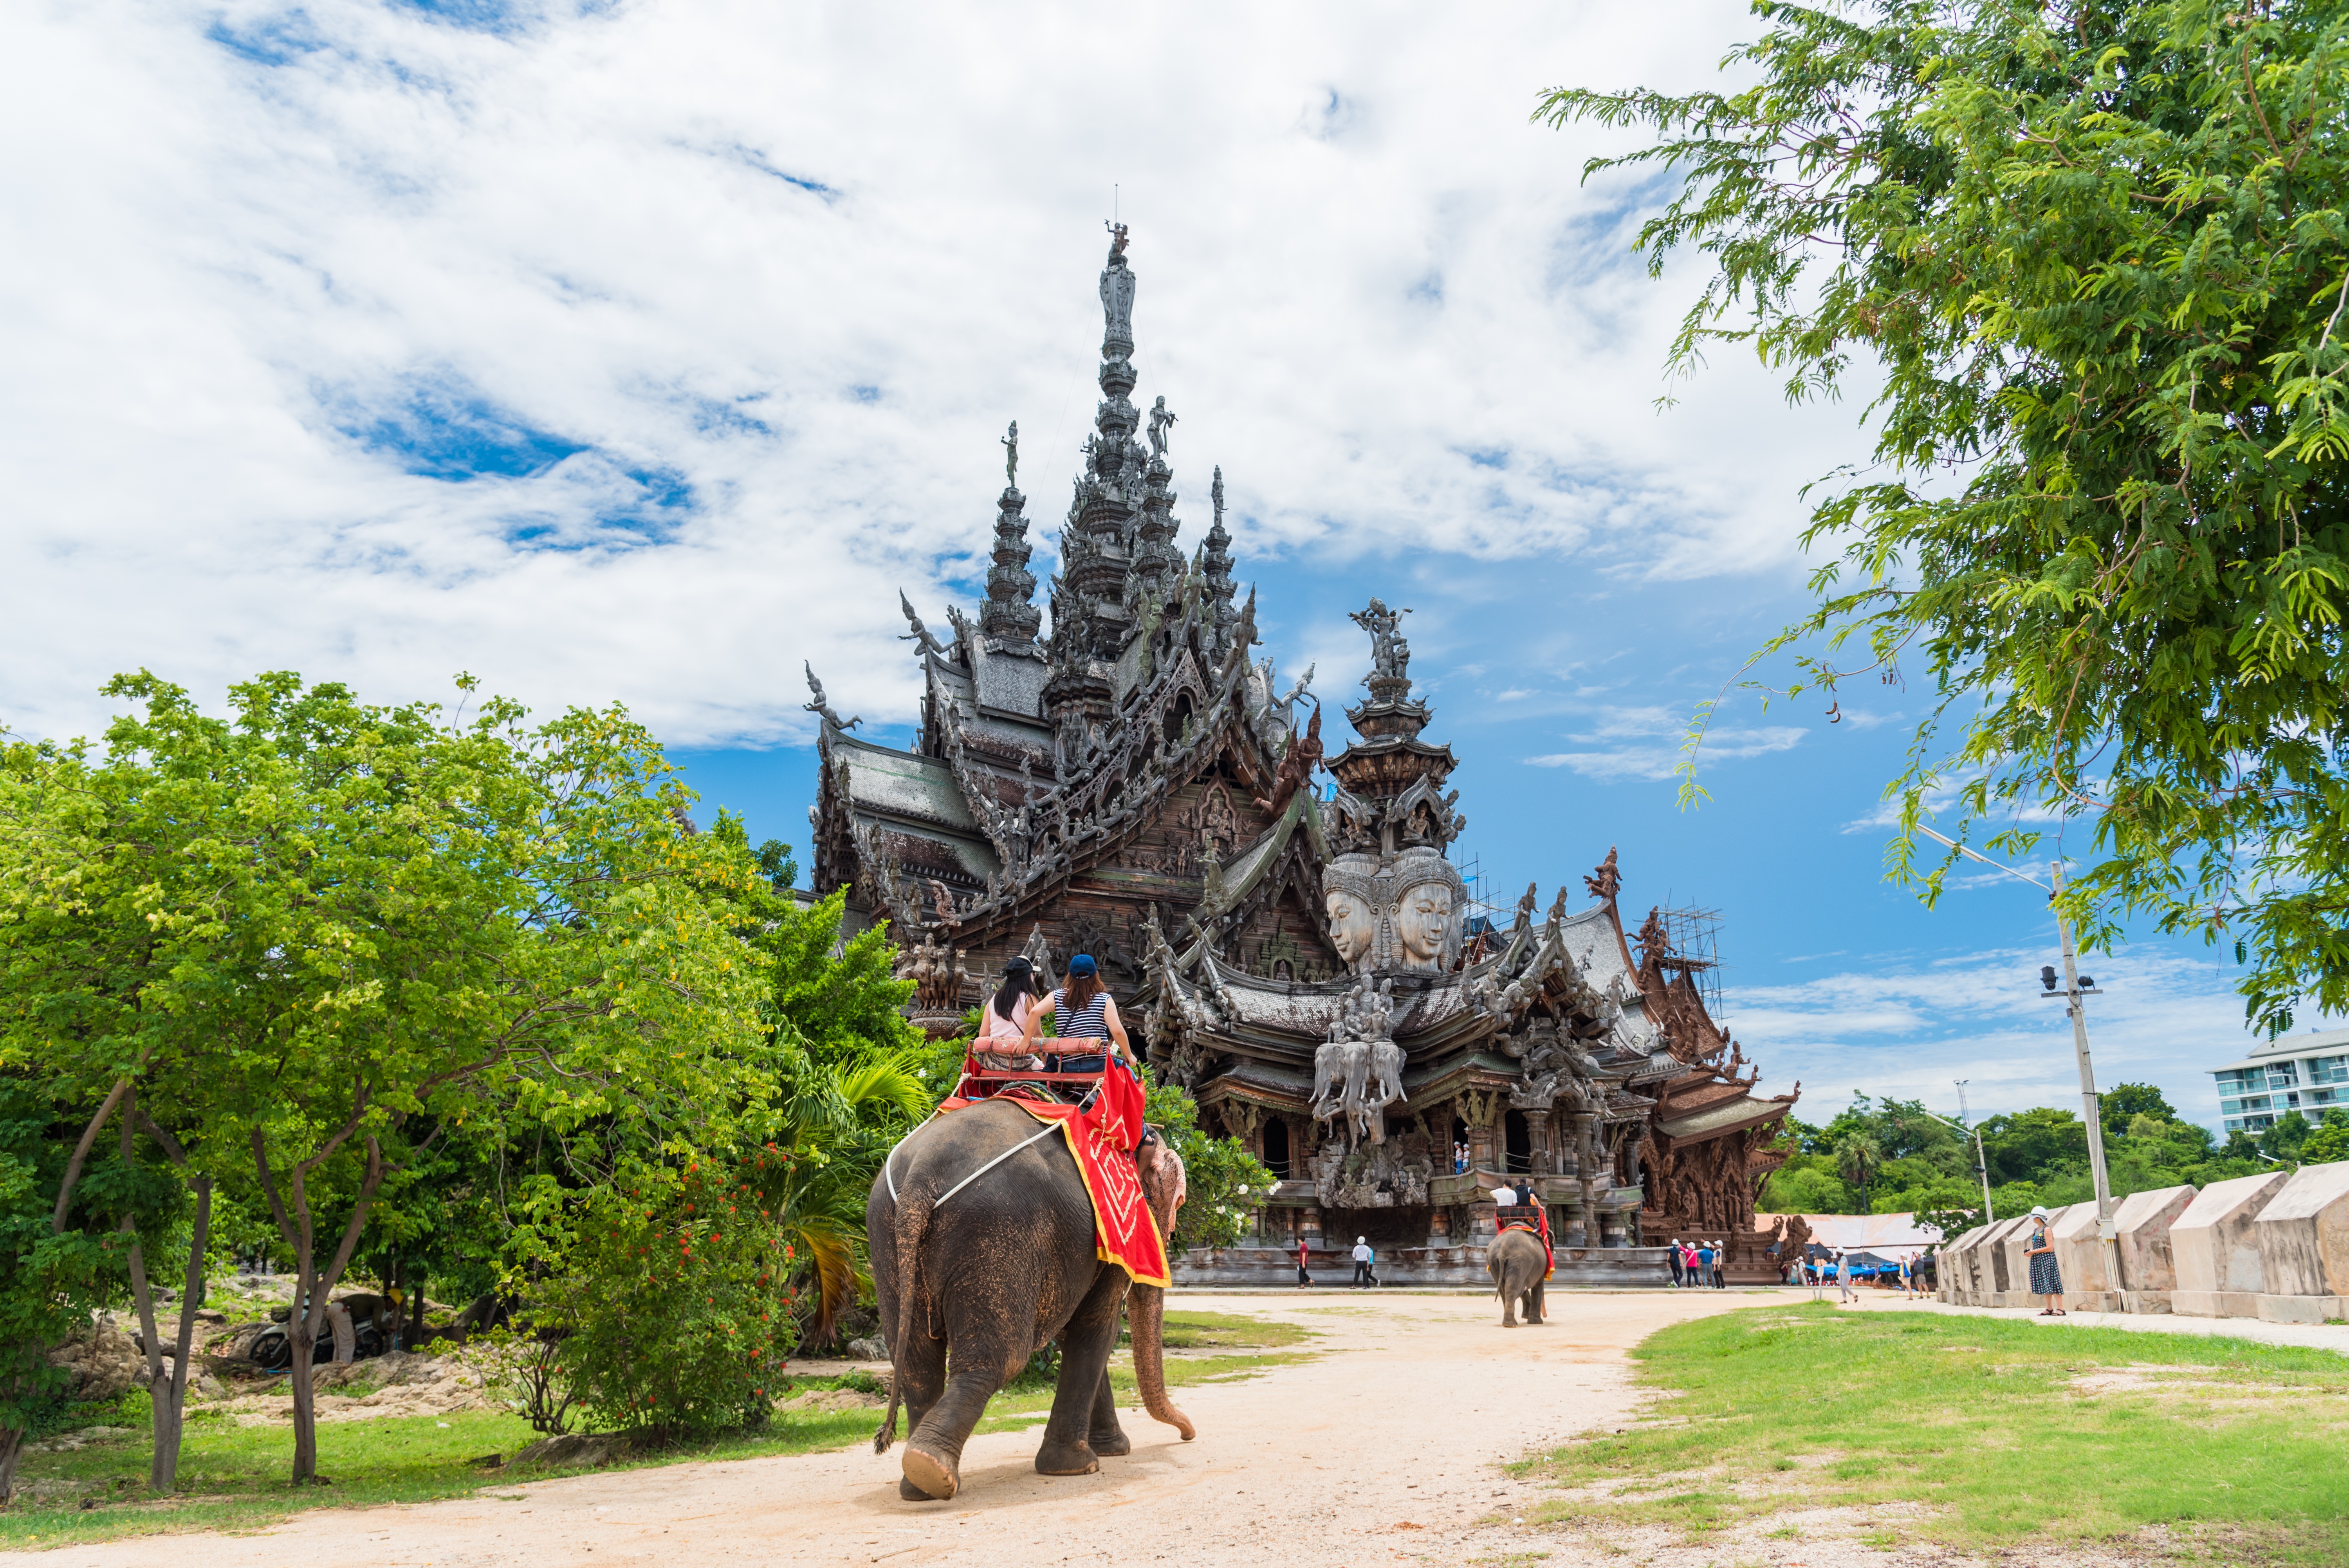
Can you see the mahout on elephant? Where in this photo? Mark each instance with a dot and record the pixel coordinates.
(1520, 1265)
(984, 1249)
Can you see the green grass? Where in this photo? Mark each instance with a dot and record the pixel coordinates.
(232, 1478)
(1227, 1331)
(1985, 1422)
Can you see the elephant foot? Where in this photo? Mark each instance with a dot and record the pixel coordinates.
(927, 1476)
(1110, 1445)
(912, 1493)
(1066, 1460)
(1506, 1323)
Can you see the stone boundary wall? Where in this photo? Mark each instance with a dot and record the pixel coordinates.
(2273, 1246)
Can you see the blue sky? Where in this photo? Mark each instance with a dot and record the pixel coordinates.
(639, 352)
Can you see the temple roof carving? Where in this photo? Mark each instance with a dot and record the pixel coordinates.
(1287, 931)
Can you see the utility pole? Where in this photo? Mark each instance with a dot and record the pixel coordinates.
(2090, 1103)
(2075, 987)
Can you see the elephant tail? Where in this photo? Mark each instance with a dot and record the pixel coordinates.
(912, 1227)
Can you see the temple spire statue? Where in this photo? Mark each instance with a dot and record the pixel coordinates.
(1216, 563)
(1009, 615)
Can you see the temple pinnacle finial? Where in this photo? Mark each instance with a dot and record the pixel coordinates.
(1011, 457)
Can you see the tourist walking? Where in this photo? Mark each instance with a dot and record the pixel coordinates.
(2046, 1279)
(1672, 1256)
(1364, 1258)
(1304, 1256)
(1705, 1263)
(1721, 1265)
(1908, 1282)
(1843, 1292)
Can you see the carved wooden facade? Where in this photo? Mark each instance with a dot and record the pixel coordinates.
(1138, 787)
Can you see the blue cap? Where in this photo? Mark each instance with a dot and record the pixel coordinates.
(1082, 966)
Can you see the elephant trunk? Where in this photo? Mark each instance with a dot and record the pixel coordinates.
(1163, 1186)
(1146, 1314)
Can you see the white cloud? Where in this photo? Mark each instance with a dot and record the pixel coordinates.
(1647, 743)
(781, 275)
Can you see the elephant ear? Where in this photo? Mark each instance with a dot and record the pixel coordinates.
(1164, 1181)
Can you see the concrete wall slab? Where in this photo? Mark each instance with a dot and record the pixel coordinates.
(2303, 1234)
(2213, 1248)
(2149, 1262)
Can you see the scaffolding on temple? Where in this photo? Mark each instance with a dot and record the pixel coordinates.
(1693, 938)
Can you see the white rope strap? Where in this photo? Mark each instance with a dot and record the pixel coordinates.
(1050, 1128)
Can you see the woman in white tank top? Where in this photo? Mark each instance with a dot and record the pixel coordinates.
(1003, 1025)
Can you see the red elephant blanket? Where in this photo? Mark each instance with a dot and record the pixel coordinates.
(1549, 1254)
(1102, 1139)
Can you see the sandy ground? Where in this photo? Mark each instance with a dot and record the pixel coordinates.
(1386, 1449)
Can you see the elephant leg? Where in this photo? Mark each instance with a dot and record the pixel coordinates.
(981, 1352)
(922, 1375)
(1105, 1436)
(1085, 1345)
(1537, 1302)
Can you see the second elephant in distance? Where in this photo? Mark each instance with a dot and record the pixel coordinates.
(1520, 1270)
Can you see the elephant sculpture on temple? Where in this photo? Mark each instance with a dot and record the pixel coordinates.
(1520, 1270)
(983, 1251)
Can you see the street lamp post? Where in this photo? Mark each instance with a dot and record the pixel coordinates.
(1981, 1166)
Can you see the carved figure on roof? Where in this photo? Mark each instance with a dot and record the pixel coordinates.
(1297, 765)
(1162, 419)
(1298, 690)
(1117, 293)
(920, 635)
(1390, 652)
(1605, 882)
(1526, 908)
(822, 709)
(1011, 457)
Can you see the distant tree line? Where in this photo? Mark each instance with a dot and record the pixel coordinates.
(1891, 1157)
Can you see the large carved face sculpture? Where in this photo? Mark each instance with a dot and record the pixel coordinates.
(1422, 924)
(1354, 923)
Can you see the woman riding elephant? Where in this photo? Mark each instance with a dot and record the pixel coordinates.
(984, 1249)
(1520, 1269)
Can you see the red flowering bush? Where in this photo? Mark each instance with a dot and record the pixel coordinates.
(669, 1294)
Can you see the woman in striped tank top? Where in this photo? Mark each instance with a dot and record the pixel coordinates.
(1082, 1011)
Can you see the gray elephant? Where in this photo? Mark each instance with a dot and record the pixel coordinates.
(983, 1250)
(1520, 1270)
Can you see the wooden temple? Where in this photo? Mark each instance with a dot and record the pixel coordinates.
(1287, 932)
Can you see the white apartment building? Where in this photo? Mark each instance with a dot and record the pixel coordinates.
(2304, 1073)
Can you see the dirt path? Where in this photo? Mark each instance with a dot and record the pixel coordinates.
(1383, 1450)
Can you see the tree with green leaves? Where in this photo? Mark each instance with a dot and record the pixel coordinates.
(380, 926)
(2094, 258)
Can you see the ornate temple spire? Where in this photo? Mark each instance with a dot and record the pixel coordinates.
(1093, 611)
(1158, 564)
(1008, 614)
(1216, 563)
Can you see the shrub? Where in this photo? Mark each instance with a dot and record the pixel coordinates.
(668, 1294)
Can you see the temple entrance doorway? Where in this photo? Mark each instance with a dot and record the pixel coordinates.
(1385, 1229)
(1460, 1141)
(1276, 1147)
(1519, 1135)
